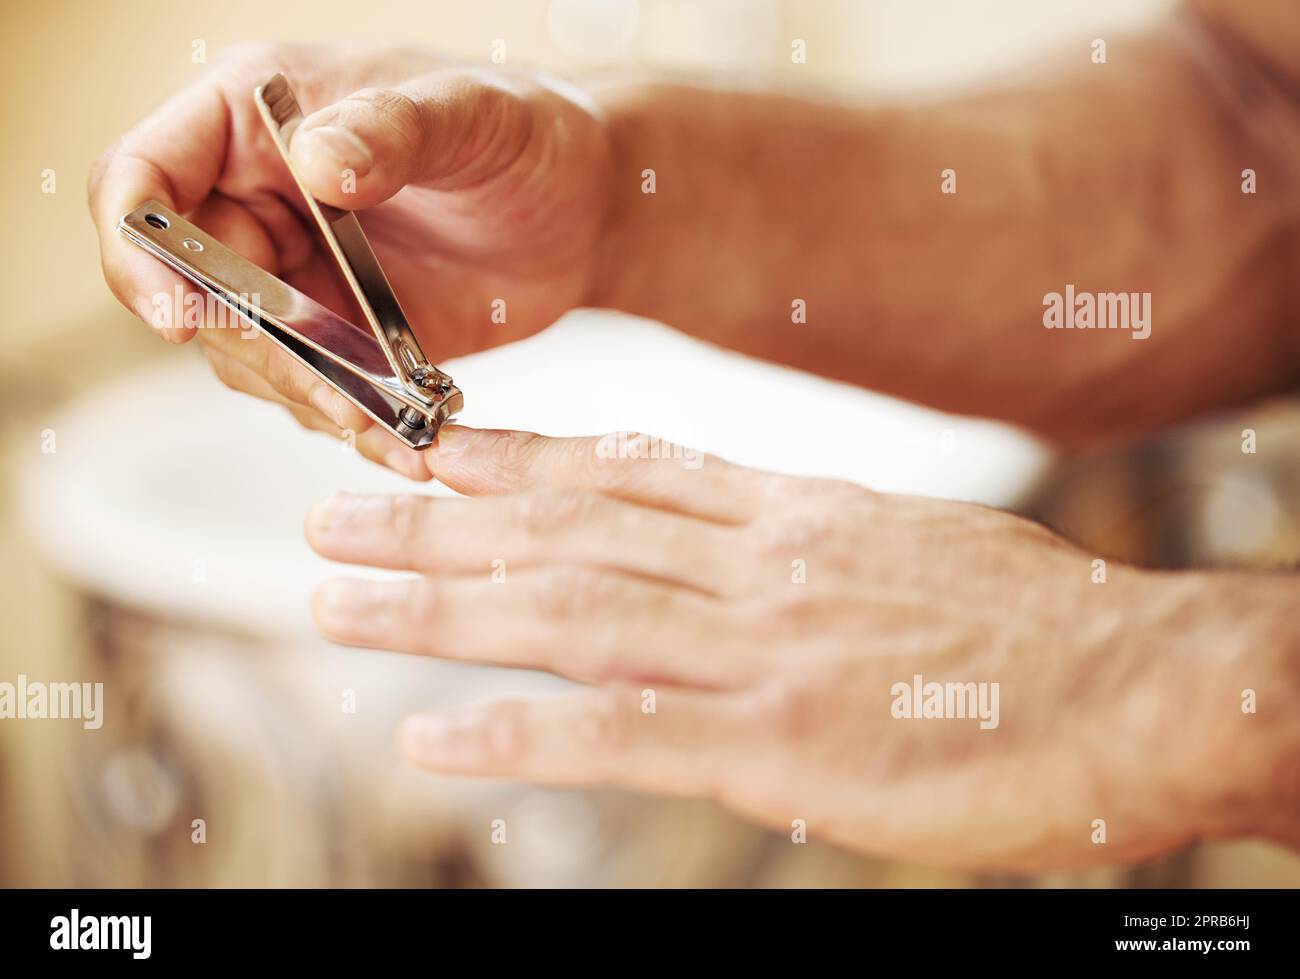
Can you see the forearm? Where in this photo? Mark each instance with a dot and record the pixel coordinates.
(1123, 177)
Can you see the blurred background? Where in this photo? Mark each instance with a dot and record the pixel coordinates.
(151, 534)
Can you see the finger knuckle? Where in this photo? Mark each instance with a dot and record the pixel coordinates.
(283, 375)
(797, 532)
(505, 736)
(618, 461)
(779, 538)
(495, 104)
(498, 118)
(420, 607)
(396, 111)
(544, 512)
(788, 709)
(403, 516)
(568, 593)
(786, 612)
(603, 731)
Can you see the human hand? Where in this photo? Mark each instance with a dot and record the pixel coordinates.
(771, 620)
(477, 185)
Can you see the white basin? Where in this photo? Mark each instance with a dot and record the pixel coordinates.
(170, 494)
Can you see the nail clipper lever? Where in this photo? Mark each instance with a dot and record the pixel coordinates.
(381, 369)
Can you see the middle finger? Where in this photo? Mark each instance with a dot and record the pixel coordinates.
(464, 535)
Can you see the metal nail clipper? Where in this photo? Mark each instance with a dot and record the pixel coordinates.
(381, 368)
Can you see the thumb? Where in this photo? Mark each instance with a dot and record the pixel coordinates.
(447, 131)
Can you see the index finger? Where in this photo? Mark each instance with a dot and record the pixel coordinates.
(628, 465)
(173, 156)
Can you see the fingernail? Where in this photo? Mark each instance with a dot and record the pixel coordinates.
(329, 513)
(157, 316)
(348, 606)
(344, 147)
(426, 736)
(454, 439)
(329, 403)
(161, 321)
(467, 739)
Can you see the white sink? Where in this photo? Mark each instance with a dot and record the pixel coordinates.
(170, 494)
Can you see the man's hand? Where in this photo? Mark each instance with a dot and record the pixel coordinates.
(478, 185)
(751, 638)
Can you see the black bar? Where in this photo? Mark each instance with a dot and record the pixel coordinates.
(368, 927)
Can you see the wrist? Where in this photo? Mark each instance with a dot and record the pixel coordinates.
(638, 231)
(1230, 651)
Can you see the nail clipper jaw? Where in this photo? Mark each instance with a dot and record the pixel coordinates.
(441, 406)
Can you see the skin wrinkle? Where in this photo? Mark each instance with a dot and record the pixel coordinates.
(1117, 701)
